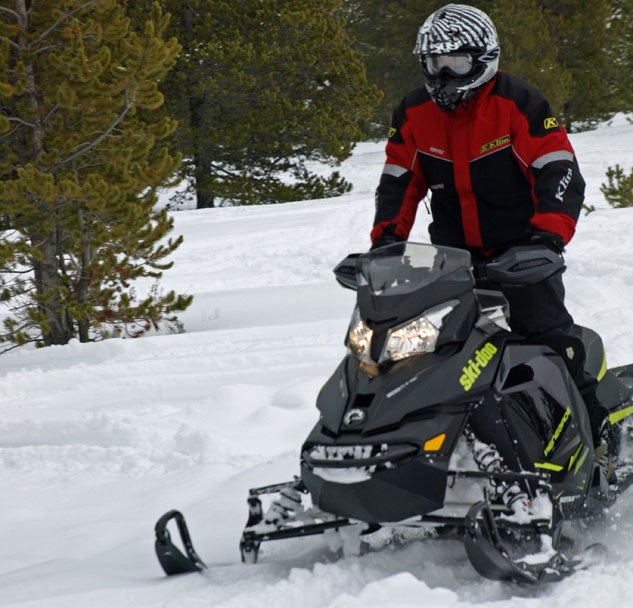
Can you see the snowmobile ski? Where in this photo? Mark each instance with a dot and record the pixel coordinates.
(492, 557)
(172, 560)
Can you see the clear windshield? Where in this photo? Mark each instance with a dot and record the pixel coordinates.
(405, 267)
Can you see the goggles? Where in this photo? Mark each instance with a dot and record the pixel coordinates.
(458, 63)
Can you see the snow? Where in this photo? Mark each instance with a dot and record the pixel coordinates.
(98, 440)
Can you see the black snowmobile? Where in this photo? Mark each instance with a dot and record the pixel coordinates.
(441, 417)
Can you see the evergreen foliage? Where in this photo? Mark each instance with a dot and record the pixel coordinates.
(261, 88)
(580, 29)
(579, 54)
(619, 187)
(385, 32)
(621, 50)
(532, 53)
(82, 152)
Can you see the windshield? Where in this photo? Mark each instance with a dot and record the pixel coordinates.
(402, 268)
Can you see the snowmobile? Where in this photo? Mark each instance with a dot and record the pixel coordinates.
(441, 417)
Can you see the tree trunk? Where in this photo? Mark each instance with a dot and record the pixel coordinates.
(202, 164)
(84, 280)
(58, 329)
(204, 198)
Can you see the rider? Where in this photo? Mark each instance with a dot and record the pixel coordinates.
(500, 168)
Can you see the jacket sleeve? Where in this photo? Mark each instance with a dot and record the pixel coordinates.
(402, 185)
(543, 147)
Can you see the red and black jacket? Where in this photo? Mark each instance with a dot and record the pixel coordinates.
(498, 167)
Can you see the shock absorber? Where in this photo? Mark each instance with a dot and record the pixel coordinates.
(489, 460)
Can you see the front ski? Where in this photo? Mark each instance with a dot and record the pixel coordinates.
(170, 557)
(493, 552)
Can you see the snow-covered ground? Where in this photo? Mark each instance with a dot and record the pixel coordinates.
(98, 440)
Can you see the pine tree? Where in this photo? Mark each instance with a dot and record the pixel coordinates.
(620, 51)
(261, 88)
(579, 54)
(82, 152)
(532, 53)
(619, 187)
(583, 36)
(385, 33)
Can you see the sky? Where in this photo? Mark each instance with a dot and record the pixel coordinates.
(98, 440)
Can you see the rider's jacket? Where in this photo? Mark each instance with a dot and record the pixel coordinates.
(497, 167)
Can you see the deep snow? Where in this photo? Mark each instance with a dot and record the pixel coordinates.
(98, 440)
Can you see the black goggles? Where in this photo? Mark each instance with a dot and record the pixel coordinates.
(458, 63)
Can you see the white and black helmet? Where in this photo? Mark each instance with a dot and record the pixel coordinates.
(459, 50)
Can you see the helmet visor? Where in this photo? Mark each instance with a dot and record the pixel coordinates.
(459, 64)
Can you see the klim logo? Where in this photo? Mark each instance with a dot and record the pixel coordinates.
(497, 143)
(480, 360)
(562, 185)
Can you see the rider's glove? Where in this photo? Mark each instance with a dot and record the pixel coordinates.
(547, 239)
(387, 238)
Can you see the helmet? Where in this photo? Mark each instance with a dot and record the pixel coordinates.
(459, 50)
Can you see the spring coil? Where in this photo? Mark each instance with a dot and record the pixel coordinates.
(489, 460)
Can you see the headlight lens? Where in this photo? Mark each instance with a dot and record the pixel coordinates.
(360, 338)
(411, 338)
(418, 336)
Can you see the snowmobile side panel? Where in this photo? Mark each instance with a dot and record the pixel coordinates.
(334, 396)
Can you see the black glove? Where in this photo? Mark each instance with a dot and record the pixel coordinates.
(547, 239)
(386, 239)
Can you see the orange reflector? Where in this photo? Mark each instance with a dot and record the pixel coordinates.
(435, 443)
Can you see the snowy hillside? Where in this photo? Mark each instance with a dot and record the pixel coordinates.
(98, 440)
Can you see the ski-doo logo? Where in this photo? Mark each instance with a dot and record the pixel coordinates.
(392, 132)
(354, 417)
(491, 145)
(472, 371)
(550, 123)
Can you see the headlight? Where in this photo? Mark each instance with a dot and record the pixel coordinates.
(360, 338)
(418, 336)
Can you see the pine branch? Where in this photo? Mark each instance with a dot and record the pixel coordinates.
(61, 20)
(129, 104)
(3, 9)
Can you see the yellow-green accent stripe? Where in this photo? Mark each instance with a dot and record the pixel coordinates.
(620, 414)
(581, 460)
(573, 457)
(548, 465)
(603, 369)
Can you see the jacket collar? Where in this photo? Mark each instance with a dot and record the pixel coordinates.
(478, 97)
